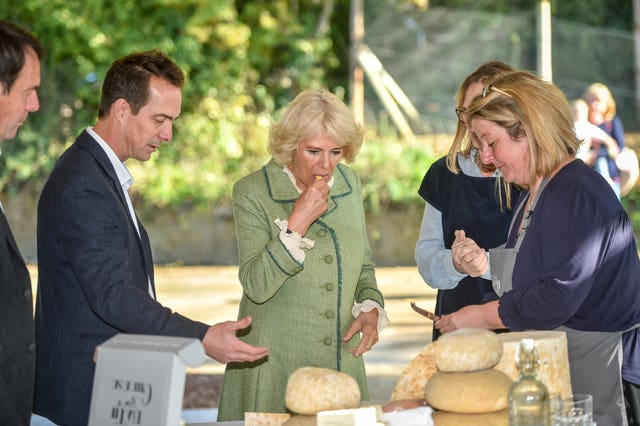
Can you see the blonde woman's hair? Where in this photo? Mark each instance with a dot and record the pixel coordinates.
(578, 108)
(527, 106)
(605, 94)
(312, 113)
(462, 141)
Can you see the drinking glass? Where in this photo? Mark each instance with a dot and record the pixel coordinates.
(576, 410)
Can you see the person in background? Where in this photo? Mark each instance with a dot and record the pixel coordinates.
(20, 54)
(602, 113)
(592, 136)
(570, 261)
(306, 271)
(95, 268)
(461, 193)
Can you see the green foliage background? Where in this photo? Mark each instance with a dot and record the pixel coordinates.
(244, 61)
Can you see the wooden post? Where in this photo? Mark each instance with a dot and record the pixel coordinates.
(356, 74)
(373, 69)
(545, 69)
(636, 49)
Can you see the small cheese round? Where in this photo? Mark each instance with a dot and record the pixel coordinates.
(467, 349)
(445, 418)
(482, 391)
(313, 389)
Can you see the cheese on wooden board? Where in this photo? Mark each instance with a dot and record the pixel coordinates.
(301, 421)
(313, 389)
(467, 349)
(481, 391)
(445, 418)
(364, 416)
(414, 377)
(553, 369)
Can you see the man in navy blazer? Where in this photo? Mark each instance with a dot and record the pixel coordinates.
(95, 270)
(20, 54)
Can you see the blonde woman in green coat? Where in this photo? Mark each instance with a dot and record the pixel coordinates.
(305, 262)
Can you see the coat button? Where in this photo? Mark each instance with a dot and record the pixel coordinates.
(328, 286)
(328, 258)
(297, 270)
(328, 314)
(327, 340)
(27, 293)
(32, 347)
(322, 233)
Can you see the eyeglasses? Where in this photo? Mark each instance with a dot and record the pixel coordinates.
(459, 112)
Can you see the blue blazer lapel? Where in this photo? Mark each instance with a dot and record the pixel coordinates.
(87, 142)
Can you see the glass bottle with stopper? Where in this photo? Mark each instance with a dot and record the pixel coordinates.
(528, 396)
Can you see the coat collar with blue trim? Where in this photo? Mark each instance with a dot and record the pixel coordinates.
(281, 190)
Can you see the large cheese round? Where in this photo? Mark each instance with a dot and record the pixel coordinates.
(445, 418)
(467, 349)
(313, 389)
(475, 392)
(414, 378)
(553, 369)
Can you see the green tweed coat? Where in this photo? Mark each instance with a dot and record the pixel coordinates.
(300, 311)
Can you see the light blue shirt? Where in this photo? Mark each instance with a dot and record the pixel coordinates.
(435, 262)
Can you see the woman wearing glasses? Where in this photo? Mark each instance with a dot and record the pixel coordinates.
(461, 192)
(570, 261)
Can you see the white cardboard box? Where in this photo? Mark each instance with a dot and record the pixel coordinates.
(139, 379)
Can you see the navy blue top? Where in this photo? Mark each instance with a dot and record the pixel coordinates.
(616, 131)
(578, 264)
(469, 203)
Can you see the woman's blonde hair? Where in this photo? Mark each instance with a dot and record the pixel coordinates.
(311, 113)
(525, 105)
(605, 94)
(462, 141)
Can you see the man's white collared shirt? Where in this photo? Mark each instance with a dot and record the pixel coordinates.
(125, 179)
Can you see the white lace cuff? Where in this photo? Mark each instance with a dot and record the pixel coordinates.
(293, 241)
(366, 306)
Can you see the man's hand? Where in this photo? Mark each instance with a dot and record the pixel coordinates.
(367, 324)
(221, 343)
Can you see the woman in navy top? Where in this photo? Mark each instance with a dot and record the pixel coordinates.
(570, 262)
(602, 113)
(461, 192)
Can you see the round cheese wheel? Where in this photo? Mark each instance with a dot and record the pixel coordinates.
(445, 418)
(482, 391)
(414, 378)
(553, 369)
(313, 389)
(467, 349)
